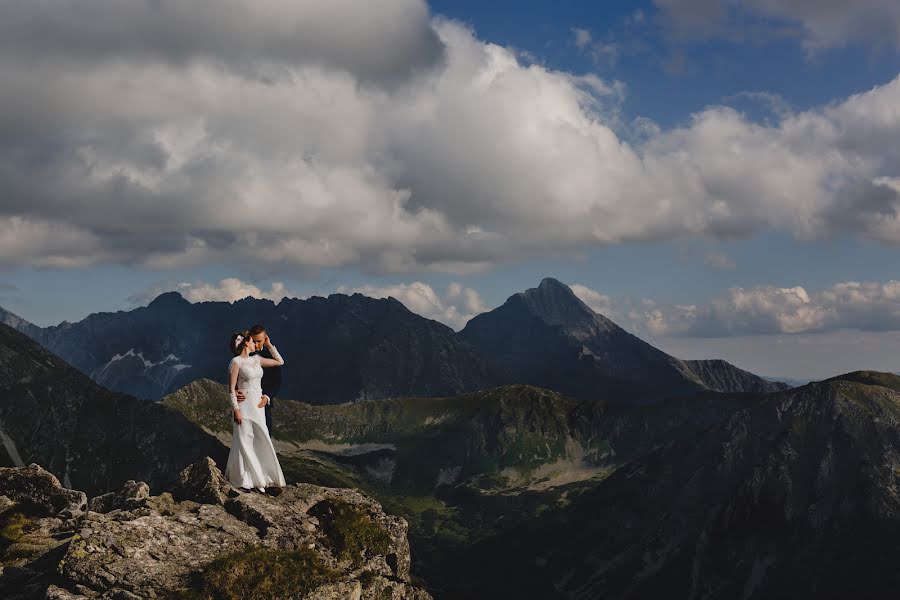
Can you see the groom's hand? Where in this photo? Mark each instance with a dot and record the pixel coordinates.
(240, 396)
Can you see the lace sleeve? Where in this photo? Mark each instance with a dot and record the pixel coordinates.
(234, 368)
(275, 355)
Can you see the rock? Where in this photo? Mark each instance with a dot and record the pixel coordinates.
(39, 491)
(132, 495)
(135, 545)
(202, 482)
(149, 550)
(381, 588)
(57, 593)
(5, 504)
(348, 590)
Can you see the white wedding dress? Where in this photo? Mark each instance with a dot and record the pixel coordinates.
(252, 462)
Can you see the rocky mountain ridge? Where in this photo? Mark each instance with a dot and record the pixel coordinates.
(201, 539)
(794, 495)
(348, 348)
(546, 336)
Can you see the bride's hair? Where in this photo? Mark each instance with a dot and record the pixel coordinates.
(238, 340)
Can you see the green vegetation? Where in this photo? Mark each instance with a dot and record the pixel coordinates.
(261, 573)
(297, 468)
(13, 525)
(351, 532)
(12, 528)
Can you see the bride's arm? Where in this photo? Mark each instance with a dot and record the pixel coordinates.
(276, 360)
(233, 370)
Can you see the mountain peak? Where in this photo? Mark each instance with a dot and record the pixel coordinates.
(556, 303)
(168, 299)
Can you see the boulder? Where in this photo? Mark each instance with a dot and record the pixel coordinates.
(202, 482)
(132, 495)
(39, 492)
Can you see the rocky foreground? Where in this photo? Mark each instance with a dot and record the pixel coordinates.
(201, 539)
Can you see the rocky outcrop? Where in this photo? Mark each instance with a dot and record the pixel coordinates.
(201, 539)
(35, 489)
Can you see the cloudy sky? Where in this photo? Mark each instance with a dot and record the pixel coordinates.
(721, 177)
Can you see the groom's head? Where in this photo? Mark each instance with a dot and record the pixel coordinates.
(258, 333)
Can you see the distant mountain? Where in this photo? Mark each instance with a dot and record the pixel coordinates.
(794, 495)
(789, 381)
(91, 438)
(337, 349)
(20, 324)
(547, 336)
(511, 437)
(347, 348)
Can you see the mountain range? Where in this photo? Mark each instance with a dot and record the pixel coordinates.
(520, 491)
(348, 348)
(533, 494)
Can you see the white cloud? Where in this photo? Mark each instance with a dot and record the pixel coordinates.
(454, 308)
(597, 301)
(863, 306)
(173, 142)
(229, 289)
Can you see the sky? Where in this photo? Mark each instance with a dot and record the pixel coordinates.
(720, 177)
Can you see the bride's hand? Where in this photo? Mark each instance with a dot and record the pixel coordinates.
(263, 401)
(237, 416)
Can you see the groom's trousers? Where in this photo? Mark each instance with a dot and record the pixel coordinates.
(269, 415)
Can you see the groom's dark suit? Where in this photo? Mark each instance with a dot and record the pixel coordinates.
(271, 383)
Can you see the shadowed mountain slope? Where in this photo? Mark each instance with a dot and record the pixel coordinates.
(792, 496)
(346, 348)
(337, 349)
(91, 438)
(547, 336)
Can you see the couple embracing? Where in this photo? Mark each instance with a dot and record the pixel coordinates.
(252, 462)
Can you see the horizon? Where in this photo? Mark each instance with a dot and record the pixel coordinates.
(720, 179)
(791, 379)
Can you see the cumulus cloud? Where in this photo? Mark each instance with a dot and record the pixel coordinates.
(388, 41)
(454, 307)
(761, 310)
(379, 138)
(822, 23)
(597, 301)
(229, 289)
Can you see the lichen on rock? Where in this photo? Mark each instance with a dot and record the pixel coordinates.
(203, 540)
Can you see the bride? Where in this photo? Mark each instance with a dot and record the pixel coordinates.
(252, 463)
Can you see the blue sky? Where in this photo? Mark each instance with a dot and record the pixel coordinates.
(370, 160)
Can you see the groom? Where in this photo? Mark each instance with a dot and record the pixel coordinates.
(271, 380)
